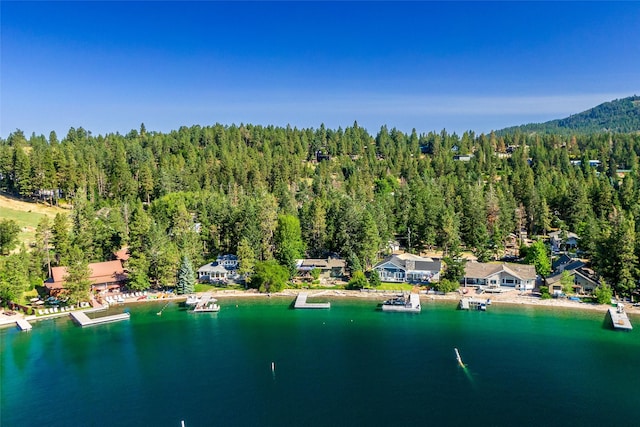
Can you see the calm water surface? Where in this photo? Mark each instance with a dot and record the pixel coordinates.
(350, 365)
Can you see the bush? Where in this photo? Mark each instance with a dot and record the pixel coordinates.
(374, 279)
(358, 281)
(445, 285)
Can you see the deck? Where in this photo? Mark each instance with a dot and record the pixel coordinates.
(301, 302)
(206, 304)
(619, 319)
(469, 303)
(83, 320)
(412, 306)
(23, 325)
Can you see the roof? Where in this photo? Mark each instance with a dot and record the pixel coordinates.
(212, 267)
(99, 273)
(558, 235)
(482, 270)
(585, 273)
(405, 262)
(564, 259)
(311, 263)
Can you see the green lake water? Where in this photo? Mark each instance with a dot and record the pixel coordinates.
(346, 366)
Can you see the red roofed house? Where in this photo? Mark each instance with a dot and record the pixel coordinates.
(108, 275)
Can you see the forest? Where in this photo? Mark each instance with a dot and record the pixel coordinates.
(278, 193)
(619, 115)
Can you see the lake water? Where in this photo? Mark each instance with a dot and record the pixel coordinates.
(349, 365)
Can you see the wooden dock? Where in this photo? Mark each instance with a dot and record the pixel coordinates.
(23, 325)
(619, 318)
(402, 305)
(468, 303)
(206, 304)
(83, 320)
(301, 302)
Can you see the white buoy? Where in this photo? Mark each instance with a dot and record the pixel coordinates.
(273, 366)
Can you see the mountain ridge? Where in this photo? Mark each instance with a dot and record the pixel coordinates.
(617, 116)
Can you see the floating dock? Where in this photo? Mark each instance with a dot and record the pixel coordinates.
(400, 304)
(206, 304)
(301, 302)
(23, 325)
(619, 318)
(84, 320)
(469, 303)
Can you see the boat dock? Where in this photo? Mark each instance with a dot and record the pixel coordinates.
(301, 302)
(83, 320)
(469, 303)
(206, 304)
(619, 318)
(23, 325)
(401, 304)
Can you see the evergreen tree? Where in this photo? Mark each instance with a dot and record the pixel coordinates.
(374, 279)
(14, 277)
(288, 242)
(76, 281)
(9, 230)
(186, 277)
(138, 269)
(246, 259)
(61, 239)
(454, 271)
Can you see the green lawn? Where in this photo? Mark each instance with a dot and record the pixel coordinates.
(395, 286)
(28, 221)
(202, 287)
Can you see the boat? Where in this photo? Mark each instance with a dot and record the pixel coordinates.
(458, 358)
(403, 304)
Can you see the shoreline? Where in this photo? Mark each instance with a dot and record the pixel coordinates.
(511, 298)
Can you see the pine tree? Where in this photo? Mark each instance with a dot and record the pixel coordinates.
(77, 281)
(186, 277)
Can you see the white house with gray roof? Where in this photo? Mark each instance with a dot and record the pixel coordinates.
(500, 275)
(408, 268)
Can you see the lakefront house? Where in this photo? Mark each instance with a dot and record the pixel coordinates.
(495, 276)
(220, 270)
(106, 276)
(408, 268)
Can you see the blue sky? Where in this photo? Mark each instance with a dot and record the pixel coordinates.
(109, 66)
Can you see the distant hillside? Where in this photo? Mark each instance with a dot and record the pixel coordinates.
(620, 115)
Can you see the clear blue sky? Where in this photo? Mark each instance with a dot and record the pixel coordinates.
(109, 66)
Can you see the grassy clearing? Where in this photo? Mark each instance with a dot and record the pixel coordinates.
(27, 215)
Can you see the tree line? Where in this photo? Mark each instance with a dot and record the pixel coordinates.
(278, 193)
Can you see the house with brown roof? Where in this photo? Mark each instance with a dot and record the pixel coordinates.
(104, 276)
(500, 275)
(585, 280)
(329, 268)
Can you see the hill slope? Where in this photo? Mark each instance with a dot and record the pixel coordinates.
(620, 115)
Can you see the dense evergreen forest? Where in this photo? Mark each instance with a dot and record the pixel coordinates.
(620, 116)
(273, 193)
